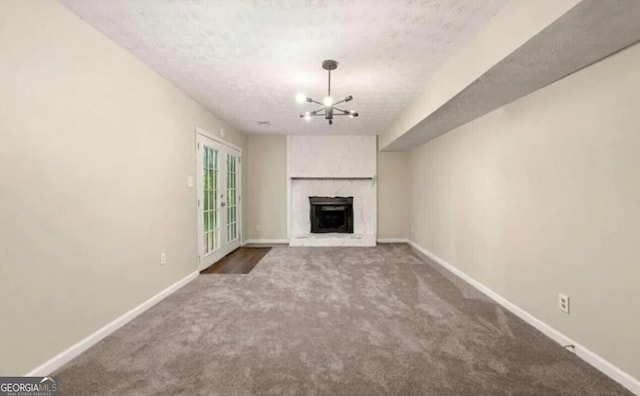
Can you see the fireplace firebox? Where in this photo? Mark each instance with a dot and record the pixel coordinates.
(331, 214)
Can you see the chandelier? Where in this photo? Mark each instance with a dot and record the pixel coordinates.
(329, 109)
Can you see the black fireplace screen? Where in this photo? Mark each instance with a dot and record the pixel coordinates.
(331, 214)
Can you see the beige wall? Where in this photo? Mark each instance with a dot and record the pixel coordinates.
(266, 193)
(95, 150)
(543, 196)
(394, 189)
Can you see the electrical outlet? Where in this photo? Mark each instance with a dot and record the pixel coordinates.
(163, 258)
(563, 302)
(258, 227)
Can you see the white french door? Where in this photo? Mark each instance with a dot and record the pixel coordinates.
(218, 200)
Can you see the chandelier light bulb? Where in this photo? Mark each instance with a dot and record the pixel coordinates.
(301, 98)
(327, 101)
(307, 116)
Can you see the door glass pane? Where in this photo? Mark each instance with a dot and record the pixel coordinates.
(232, 203)
(209, 207)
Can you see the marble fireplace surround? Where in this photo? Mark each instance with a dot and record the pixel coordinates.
(332, 166)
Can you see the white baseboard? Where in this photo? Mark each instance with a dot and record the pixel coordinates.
(393, 240)
(266, 241)
(76, 349)
(585, 354)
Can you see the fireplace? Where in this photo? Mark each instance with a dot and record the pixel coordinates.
(331, 214)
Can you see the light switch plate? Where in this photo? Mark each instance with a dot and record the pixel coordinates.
(190, 181)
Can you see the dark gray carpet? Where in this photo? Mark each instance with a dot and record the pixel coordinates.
(331, 321)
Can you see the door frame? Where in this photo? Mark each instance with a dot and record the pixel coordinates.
(239, 189)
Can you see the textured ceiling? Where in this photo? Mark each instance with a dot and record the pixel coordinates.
(246, 59)
(588, 32)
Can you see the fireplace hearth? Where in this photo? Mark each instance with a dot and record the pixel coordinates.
(331, 214)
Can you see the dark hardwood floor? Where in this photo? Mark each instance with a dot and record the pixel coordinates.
(240, 261)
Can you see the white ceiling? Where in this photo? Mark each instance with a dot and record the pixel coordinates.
(246, 59)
